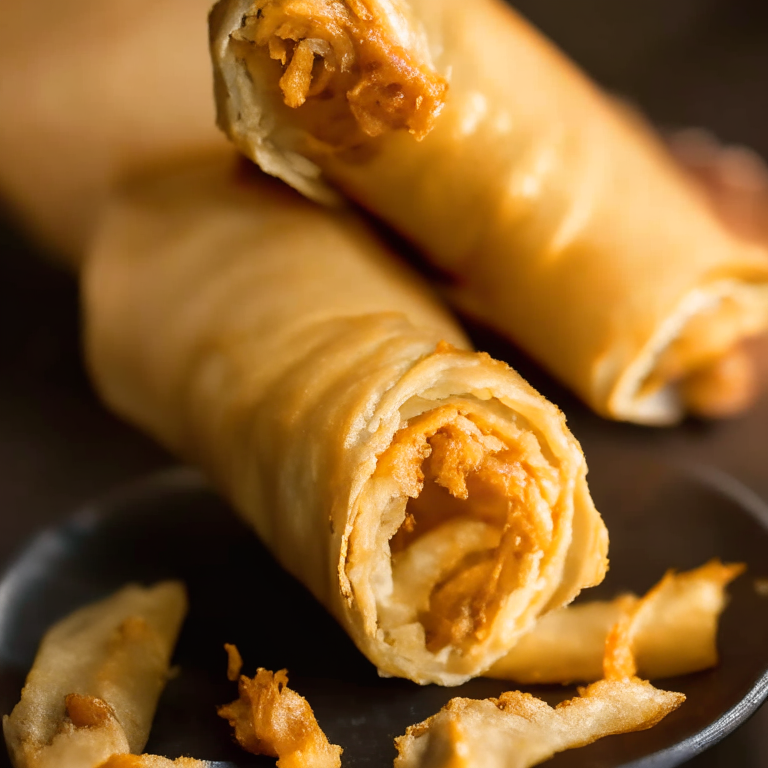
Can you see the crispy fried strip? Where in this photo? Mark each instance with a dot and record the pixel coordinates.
(96, 679)
(271, 719)
(675, 631)
(517, 730)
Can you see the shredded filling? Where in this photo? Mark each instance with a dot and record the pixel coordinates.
(710, 364)
(271, 719)
(342, 57)
(478, 520)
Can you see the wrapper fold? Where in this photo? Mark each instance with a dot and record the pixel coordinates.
(428, 497)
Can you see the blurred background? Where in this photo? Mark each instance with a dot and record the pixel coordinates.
(685, 63)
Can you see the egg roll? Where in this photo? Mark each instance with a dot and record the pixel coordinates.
(556, 214)
(423, 492)
(92, 93)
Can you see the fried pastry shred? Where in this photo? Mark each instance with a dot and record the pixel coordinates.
(271, 719)
(97, 676)
(674, 631)
(518, 730)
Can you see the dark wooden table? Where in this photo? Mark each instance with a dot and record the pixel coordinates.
(687, 62)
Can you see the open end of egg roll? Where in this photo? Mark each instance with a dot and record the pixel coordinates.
(357, 68)
(469, 526)
(698, 361)
(428, 496)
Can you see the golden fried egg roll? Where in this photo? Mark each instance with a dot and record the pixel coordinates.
(91, 93)
(430, 499)
(563, 221)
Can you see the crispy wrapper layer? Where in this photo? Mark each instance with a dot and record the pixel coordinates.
(674, 632)
(271, 719)
(564, 222)
(97, 676)
(428, 497)
(518, 730)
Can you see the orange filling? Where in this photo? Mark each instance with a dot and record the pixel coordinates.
(453, 467)
(330, 51)
(87, 711)
(711, 363)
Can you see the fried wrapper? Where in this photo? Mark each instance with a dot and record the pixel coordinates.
(96, 680)
(561, 219)
(518, 730)
(432, 501)
(674, 631)
(271, 719)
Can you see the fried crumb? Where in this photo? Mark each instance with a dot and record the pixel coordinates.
(234, 662)
(88, 711)
(271, 719)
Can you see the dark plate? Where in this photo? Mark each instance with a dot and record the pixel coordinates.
(171, 525)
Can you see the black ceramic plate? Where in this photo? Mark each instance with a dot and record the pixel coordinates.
(171, 525)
